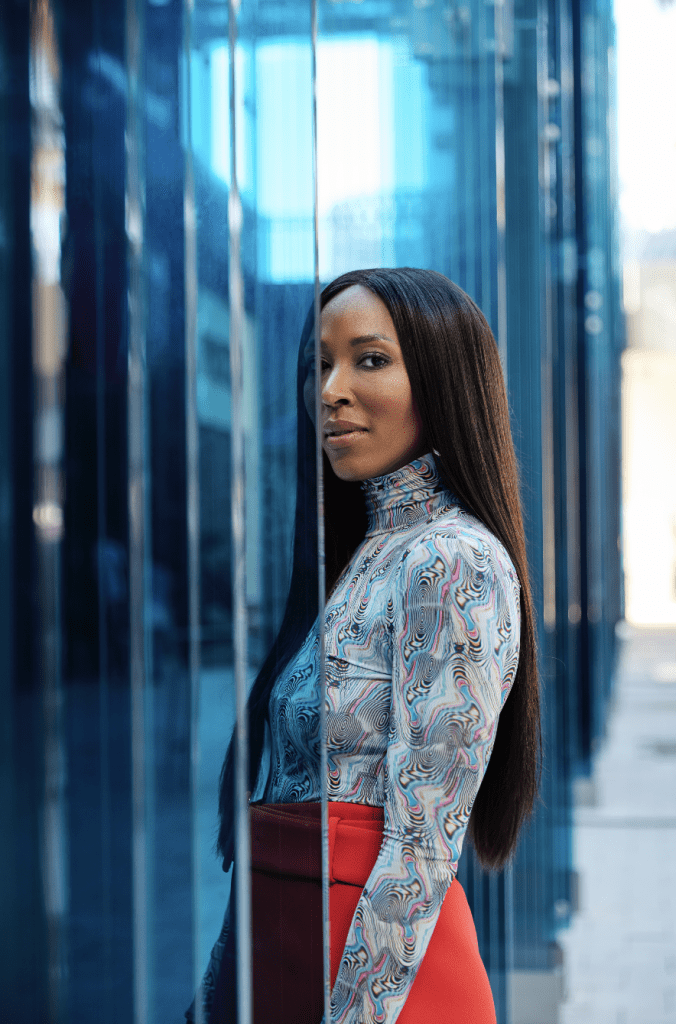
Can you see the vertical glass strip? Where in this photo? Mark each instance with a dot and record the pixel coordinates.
(103, 462)
(192, 479)
(321, 575)
(501, 54)
(139, 652)
(548, 228)
(47, 212)
(240, 626)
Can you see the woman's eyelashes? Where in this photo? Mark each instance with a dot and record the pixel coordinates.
(377, 360)
(369, 361)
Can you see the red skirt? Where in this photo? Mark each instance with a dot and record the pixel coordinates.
(451, 986)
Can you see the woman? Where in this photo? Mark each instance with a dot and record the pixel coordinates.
(430, 643)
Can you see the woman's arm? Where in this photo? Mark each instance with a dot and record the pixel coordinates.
(455, 638)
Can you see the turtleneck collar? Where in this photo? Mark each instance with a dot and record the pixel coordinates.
(406, 496)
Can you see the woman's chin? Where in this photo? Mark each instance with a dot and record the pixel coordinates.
(353, 466)
(348, 469)
(354, 469)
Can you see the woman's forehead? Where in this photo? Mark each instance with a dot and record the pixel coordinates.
(356, 312)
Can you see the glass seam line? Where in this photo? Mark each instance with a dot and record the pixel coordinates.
(192, 492)
(321, 564)
(238, 497)
(137, 507)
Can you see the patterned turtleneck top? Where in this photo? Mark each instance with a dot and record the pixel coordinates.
(422, 644)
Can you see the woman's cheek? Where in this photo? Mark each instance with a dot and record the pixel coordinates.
(392, 402)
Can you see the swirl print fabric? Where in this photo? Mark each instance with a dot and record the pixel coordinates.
(422, 642)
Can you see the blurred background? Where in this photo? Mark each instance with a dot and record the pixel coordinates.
(162, 185)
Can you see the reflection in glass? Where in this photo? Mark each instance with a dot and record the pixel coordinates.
(260, 293)
(409, 175)
(119, 131)
(47, 223)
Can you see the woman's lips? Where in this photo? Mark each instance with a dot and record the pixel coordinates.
(346, 437)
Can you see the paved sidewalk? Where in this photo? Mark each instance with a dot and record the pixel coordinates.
(620, 951)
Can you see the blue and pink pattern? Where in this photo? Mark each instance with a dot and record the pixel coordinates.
(422, 639)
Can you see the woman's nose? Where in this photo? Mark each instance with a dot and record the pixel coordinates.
(335, 388)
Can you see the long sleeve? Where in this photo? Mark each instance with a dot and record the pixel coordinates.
(454, 625)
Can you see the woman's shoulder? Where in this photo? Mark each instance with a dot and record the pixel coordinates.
(458, 538)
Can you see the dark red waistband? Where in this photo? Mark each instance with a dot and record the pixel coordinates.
(286, 840)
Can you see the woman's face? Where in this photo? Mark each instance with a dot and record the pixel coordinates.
(370, 425)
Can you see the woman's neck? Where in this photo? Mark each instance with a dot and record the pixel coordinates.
(406, 496)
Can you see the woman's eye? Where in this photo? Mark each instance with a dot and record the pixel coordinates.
(373, 361)
(310, 365)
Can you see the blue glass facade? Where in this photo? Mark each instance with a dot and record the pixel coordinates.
(158, 210)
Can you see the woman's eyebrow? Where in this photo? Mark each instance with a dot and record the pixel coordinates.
(364, 339)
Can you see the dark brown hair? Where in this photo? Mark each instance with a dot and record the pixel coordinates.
(458, 388)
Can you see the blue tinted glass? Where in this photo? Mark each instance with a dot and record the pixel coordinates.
(406, 141)
(152, 309)
(266, 243)
(408, 129)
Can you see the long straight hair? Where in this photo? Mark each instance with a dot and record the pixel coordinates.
(458, 389)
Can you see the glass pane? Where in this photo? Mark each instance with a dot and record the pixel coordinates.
(136, 284)
(95, 568)
(161, 570)
(275, 262)
(408, 100)
(47, 212)
(406, 142)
